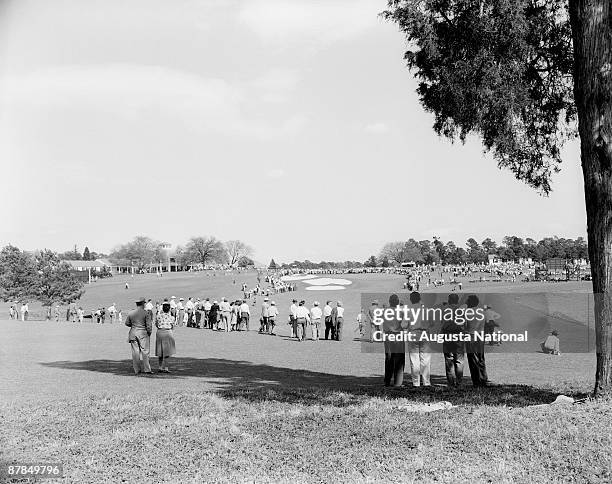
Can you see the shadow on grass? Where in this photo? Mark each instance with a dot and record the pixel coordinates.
(256, 382)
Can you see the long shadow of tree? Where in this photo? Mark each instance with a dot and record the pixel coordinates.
(256, 382)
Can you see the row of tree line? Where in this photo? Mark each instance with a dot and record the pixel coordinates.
(41, 275)
(144, 251)
(512, 249)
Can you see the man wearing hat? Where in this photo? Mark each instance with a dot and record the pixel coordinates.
(272, 314)
(173, 306)
(302, 319)
(315, 320)
(180, 312)
(225, 309)
(190, 306)
(551, 344)
(140, 325)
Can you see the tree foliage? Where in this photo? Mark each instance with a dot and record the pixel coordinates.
(18, 277)
(501, 69)
(140, 252)
(236, 250)
(42, 276)
(55, 282)
(205, 250)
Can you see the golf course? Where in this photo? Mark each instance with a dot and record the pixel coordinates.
(243, 406)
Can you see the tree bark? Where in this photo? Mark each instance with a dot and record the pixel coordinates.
(591, 22)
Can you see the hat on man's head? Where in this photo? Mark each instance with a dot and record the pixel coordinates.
(316, 303)
(173, 297)
(181, 299)
(375, 302)
(141, 301)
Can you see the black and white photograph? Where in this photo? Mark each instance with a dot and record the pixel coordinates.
(306, 241)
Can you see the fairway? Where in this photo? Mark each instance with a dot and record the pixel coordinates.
(232, 398)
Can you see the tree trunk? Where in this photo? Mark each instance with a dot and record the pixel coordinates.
(591, 22)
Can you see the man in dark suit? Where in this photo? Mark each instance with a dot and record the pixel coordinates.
(140, 324)
(475, 349)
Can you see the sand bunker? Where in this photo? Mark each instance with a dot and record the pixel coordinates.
(326, 281)
(325, 288)
(299, 277)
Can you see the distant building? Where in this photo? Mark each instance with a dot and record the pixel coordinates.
(97, 265)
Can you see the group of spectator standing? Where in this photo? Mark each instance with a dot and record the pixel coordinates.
(419, 351)
(301, 318)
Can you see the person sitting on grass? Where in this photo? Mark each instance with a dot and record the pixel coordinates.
(551, 344)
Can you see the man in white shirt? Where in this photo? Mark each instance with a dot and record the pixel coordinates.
(315, 320)
(112, 311)
(338, 320)
(245, 315)
(207, 307)
(329, 327)
(302, 316)
(180, 312)
(272, 315)
(293, 318)
(225, 309)
(24, 311)
(265, 315)
(189, 306)
(173, 307)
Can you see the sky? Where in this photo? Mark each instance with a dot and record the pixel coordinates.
(292, 125)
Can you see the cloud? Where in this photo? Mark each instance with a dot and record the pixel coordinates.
(276, 173)
(376, 128)
(311, 22)
(139, 91)
(276, 85)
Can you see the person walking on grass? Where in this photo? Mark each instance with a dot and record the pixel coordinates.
(272, 315)
(24, 311)
(13, 311)
(57, 313)
(165, 345)
(315, 321)
(139, 337)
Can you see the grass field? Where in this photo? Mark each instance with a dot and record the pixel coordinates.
(248, 407)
